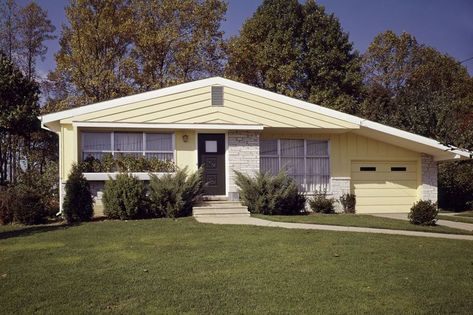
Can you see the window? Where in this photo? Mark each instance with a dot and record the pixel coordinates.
(307, 161)
(367, 169)
(398, 169)
(157, 145)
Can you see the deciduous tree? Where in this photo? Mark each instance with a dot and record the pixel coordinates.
(298, 50)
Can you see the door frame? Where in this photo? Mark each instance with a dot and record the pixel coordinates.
(227, 166)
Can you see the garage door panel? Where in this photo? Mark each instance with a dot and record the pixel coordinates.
(384, 186)
(385, 166)
(383, 176)
(390, 192)
(381, 208)
(384, 200)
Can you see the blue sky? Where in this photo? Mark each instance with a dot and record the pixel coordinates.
(446, 25)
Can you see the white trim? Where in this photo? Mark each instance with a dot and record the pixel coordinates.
(118, 125)
(113, 175)
(456, 152)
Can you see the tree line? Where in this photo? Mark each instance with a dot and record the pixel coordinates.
(113, 48)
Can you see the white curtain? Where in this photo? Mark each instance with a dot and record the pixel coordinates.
(159, 142)
(269, 159)
(307, 161)
(128, 142)
(96, 141)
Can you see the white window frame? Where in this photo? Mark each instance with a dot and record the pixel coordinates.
(279, 157)
(141, 152)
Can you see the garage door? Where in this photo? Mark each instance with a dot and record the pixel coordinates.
(384, 186)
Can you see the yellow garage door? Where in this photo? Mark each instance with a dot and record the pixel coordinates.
(384, 186)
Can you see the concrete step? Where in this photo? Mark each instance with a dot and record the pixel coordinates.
(220, 208)
(227, 204)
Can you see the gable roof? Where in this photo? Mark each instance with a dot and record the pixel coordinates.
(358, 125)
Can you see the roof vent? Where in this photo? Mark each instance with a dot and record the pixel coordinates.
(217, 95)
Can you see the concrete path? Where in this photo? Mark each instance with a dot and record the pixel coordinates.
(260, 222)
(452, 224)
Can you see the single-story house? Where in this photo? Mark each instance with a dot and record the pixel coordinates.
(228, 126)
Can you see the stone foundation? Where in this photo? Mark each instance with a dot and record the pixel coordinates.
(243, 156)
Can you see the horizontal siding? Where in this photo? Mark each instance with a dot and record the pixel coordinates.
(195, 106)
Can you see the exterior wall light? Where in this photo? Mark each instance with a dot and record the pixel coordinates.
(185, 138)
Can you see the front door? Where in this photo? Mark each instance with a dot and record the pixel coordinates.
(211, 155)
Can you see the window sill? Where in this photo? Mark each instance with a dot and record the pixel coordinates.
(107, 176)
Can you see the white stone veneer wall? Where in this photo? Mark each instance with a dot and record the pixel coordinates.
(339, 186)
(429, 178)
(243, 156)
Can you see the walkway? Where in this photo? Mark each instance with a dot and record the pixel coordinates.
(452, 224)
(240, 220)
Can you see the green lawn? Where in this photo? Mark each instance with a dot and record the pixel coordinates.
(360, 220)
(181, 266)
(456, 218)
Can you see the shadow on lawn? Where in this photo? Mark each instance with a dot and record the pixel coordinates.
(31, 230)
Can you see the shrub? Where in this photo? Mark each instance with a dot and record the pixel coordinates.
(78, 202)
(124, 198)
(174, 195)
(6, 209)
(319, 203)
(267, 194)
(423, 212)
(455, 185)
(28, 206)
(348, 202)
(44, 183)
(126, 163)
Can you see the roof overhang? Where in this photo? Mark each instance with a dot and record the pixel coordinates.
(367, 128)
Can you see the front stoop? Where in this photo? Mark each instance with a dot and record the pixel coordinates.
(220, 208)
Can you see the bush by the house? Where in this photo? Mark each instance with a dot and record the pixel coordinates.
(124, 198)
(423, 212)
(268, 194)
(78, 202)
(126, 163)
(174, 195)
(6, 209)
(28, 206)
(319, 203)
(348, 202)
(45, 183)
(455, 185)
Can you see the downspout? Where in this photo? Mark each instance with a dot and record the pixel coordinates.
(43, 126)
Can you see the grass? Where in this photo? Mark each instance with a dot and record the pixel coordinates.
(181, 266)
(456, 218)
(361, 220)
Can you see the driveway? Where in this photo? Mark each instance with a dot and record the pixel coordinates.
(403, 216)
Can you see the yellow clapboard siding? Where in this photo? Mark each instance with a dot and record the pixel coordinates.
(170, 115)
(384, 190)
(163, 110)
(146, 106)
(291, 117)
(200, 116)
(281, 108)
